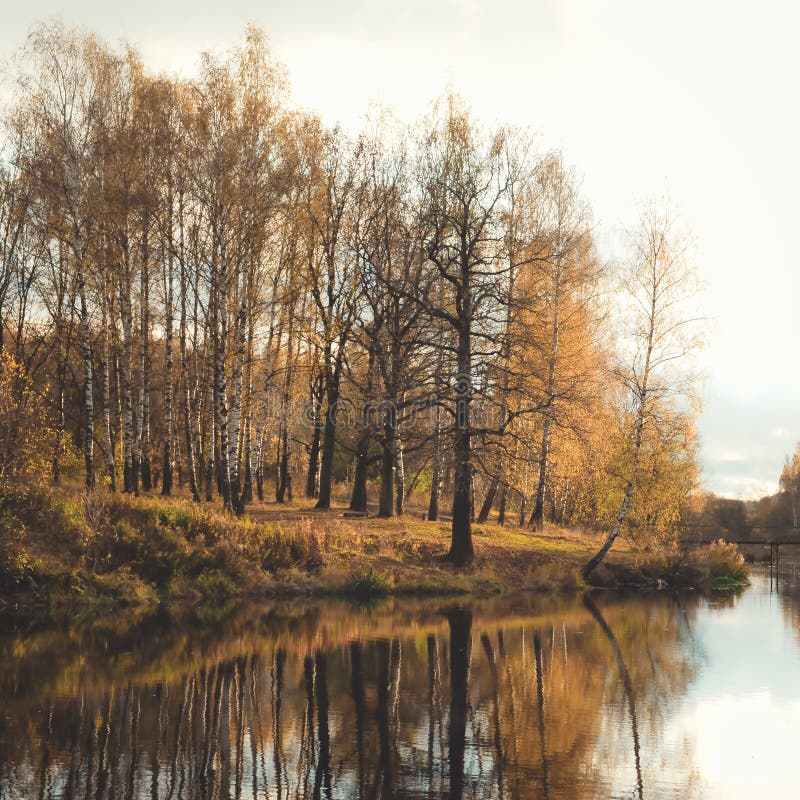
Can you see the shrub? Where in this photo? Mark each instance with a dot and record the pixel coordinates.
(367, 583)
(215, 585)
(726, 566)
(96, 512)
(18, 571)
(718, 565)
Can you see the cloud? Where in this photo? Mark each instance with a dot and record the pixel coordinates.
(744, 441)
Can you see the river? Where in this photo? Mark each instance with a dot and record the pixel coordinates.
(646, 695)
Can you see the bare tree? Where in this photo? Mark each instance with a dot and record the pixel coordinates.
(659, 282)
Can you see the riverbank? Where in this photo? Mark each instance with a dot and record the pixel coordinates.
(60, 549)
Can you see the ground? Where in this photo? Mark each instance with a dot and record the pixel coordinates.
(59, 548)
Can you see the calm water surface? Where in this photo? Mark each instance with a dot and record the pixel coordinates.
(620, 697)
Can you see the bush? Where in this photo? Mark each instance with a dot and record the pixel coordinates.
(718, 565)
(726, 566)
(367, 583)
(18, 570)
(215, 585)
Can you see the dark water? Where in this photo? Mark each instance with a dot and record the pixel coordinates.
(627, 697)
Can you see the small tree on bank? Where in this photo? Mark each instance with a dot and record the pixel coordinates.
(652, 372)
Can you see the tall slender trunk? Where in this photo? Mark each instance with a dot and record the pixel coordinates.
(312, 476)
(222, 451)
(88, 389)
(61, 381)
(328, 448)
(400, 478)
(461, 551)
(641, 402)
(183, 365)
(247, 433)
(108, 448)
(129, 434)
(436, 478)
(144, 371)
(358, 499)
(166, 471)
(489, 501)
(388, 461)
(265, 394)
(622, 514)
(501, 512)
(240, 338)
(284, 467)
(212, 446)
(537, 518)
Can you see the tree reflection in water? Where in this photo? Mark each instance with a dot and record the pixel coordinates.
(335, 702)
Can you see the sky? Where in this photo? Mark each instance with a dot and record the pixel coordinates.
(692, 100)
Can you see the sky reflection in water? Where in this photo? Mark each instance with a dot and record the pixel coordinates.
(639, 696)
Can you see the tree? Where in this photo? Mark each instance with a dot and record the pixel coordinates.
(790, 482)
(62, 89)
(24, 428)
(659, 283)
(566, 292)
(462, 183)
(331, 171)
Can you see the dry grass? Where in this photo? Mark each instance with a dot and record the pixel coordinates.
(112, 550)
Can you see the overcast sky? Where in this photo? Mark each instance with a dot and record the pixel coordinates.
(694, 100)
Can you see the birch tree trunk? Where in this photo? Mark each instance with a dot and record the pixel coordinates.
(537, 518)
(622, 514)
(328, 446)
(312, 476)
(61, 380)
(436, 478)
(108, 448)
(247, 432)
(130, 459)
(144, 357)
(183, 367)
(239, 336)
(166, 468)
(221, 399)
(88, 390)
(284, 466)
(400, 479)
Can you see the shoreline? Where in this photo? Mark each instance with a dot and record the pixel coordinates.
(110, 552)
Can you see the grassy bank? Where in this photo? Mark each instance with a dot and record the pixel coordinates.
(60, 549)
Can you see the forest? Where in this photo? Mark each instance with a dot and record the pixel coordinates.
(208, 292)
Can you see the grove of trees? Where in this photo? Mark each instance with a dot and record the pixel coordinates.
(214, 292)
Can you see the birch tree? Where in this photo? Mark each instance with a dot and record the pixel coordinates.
(654, 371)
(61, 83)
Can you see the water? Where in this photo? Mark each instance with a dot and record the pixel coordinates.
(641, 696)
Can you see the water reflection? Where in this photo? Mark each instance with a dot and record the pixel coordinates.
(517, 698)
